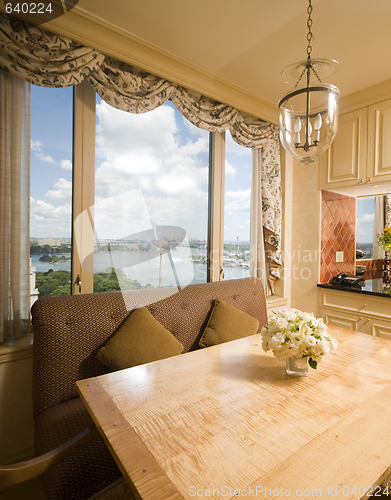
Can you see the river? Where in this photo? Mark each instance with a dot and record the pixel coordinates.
(144, 266)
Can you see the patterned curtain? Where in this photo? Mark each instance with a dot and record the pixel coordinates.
(387, 210)
(47, 59)
(14, 213)
(267, 175)
(43, 58)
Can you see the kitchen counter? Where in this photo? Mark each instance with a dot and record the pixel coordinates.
(372, 287)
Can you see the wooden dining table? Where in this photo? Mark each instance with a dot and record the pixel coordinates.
(226, 421)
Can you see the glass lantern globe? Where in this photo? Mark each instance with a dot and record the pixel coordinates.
(309, 114)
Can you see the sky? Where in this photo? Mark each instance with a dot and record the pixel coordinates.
(150, 169)
(365, 219)
(51, 162)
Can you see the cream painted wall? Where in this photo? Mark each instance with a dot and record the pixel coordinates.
(304, 259)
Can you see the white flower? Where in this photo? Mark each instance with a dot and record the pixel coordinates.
(325, 345)
(277, 340)
(293, 333)
(311, 341)
(281, 323)
(334, 343)
(316, 350)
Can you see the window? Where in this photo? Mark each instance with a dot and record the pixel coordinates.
(50, 191)
(365, 225)
(238, 178)
(151, 199)
(147, 208)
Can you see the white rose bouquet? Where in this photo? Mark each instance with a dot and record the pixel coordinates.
(295, 334)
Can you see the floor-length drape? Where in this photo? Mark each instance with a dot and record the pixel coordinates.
(378, 228)
(258, 267)
(266, 216)
(14, 206)
(387, 210)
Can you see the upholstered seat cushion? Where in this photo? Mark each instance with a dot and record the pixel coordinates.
(86, 472)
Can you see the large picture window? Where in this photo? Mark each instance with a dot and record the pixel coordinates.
(50, 191)
(144, 181)
(151, 199)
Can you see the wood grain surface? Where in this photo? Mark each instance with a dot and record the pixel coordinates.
(228, 421)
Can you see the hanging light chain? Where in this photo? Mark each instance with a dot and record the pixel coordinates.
(310, 36)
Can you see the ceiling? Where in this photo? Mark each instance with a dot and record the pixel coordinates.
(247, 43)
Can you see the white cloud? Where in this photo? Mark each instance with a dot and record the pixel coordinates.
(236, 201)
(47, 219)
(133, 211)
(119, 132)
(62, 191)
(150, 152)
(36, 147)
(230, 171)
(66, 164)
(366, 218)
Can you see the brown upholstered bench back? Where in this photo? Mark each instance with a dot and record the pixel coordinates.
(69, 330)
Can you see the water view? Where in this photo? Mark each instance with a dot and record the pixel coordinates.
(180, 266)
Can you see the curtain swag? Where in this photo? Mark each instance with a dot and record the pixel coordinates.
(387, 210)
(43, 58)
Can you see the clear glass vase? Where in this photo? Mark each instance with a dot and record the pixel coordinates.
(292, 369)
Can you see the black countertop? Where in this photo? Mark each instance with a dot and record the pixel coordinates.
(372, 287)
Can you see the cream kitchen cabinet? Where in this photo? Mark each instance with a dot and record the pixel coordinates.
(379, 142)
(365, 313)
(361, 151)
(344, 163)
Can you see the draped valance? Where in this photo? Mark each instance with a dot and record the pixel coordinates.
(50, 60)
(43, 58)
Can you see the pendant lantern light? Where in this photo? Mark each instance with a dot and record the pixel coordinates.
(309, 113)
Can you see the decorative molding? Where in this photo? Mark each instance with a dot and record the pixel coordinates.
(366, 97)
(96, 33)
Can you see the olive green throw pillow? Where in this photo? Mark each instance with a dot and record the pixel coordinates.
(226, 323)
(139, 339)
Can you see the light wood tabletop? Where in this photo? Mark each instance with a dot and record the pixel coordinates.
(227, 420)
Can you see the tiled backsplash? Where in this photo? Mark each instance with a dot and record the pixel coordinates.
(338, 231)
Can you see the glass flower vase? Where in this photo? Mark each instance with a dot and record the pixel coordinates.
(296, 368)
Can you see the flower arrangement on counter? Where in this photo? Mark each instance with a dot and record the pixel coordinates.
(291, 333)
(385, 239)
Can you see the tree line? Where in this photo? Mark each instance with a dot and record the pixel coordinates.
(55, 283)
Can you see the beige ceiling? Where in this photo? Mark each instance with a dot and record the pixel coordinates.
(248, 42)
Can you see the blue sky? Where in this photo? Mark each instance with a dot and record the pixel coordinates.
(51, 157)
(238, 173)
(365, 219)
(158, 154)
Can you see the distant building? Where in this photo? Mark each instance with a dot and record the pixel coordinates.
(49, 241)
(33, 291)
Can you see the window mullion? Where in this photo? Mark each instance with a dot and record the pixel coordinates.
(216, 214)
(83, 189)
